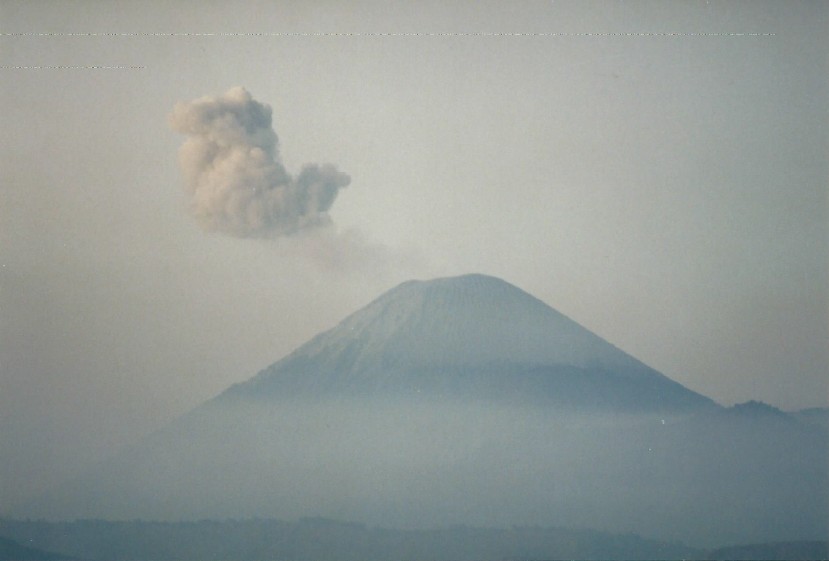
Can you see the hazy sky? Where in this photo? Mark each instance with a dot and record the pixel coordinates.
(656, 171)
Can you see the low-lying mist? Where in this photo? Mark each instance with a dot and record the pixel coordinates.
(705, 479)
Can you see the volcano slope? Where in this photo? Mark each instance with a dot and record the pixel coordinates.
(467, 401)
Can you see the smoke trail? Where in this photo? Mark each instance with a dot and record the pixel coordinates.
(234, 176)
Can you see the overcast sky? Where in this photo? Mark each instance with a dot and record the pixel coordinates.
(656, 171)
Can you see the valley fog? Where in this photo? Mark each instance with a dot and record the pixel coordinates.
(727, 477)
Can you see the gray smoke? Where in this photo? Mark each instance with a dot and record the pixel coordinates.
(234, 176)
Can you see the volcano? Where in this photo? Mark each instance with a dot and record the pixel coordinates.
(467, 401)
(474, 337)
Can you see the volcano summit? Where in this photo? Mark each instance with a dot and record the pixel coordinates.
(472, 336)
(467, 401)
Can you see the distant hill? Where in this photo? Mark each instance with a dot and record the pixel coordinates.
(12, 551)
(328, 540)
(818, 416)
(757, 409)
(784, 551)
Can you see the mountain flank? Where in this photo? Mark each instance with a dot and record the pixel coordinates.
(467, 337)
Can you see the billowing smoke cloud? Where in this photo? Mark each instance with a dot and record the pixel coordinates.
(235, 179)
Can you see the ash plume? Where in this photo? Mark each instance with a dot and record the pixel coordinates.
(234, 175)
